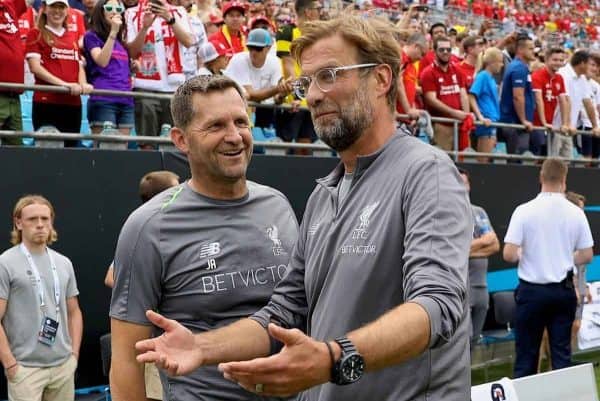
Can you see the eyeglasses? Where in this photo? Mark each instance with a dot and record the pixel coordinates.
(110, 8)
(444, 49)
(324, 78)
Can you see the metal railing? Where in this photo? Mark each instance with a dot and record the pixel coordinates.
(118, 93)
(457, 155)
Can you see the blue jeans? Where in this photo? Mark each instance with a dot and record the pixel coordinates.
(119, 114)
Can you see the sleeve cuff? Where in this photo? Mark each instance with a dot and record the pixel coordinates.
(275, 345)
(435, 319)
(508, 240)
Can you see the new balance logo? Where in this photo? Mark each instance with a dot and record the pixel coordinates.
(210, 249)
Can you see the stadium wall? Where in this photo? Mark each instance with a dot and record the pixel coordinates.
(94, 191)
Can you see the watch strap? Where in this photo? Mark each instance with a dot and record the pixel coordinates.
(331, 355)
(171, 21)
(346, 345)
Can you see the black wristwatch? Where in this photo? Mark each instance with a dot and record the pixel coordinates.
(351, 365)
(171, 21)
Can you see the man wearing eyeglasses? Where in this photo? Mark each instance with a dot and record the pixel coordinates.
(445, 92)
(375, 292)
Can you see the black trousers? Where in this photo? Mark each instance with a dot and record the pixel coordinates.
(540, 306)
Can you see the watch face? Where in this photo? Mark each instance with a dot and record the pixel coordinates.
(352, 368)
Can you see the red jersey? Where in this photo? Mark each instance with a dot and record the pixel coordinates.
(551, 87)
(468, 72)
(61, 59)
(500, 13)
(410, 80)
(488, 11)
(591, 31)
(477, 8)
(446, 85)
(564, 24)
(27, 22)
(235, 42)
(11, 46)
(76, 22)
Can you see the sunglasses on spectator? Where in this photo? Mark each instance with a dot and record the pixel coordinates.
(255, 48)
(444, 49)
(109, 8)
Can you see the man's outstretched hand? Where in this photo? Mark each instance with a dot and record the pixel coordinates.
(302, 363)
(174, 351)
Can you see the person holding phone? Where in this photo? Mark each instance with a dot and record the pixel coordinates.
(108, 67)
(156, 35)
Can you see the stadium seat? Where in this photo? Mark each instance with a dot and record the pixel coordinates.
(469, 159)
(500, 149)
(528, 153)
(97, 393)
(504, 312)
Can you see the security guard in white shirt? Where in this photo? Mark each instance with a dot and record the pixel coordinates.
(547, 236)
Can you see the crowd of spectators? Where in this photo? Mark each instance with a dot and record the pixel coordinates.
(480, 62)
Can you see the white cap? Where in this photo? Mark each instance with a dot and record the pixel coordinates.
(50, 2)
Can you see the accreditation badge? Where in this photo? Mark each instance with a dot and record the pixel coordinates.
(48, 330)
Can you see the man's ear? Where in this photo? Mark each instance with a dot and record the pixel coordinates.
(383, 76)
(179, 139)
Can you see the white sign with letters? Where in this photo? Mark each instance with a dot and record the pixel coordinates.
(501, 390)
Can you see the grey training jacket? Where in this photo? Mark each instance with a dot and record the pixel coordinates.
(402, 234)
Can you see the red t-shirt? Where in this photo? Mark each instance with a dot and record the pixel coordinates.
(76, 22)
(11, 46)
(520, 18)
(468, 72)
(591, 31)
(551, 87)
(237, 42)
(26, 23)
(410, 80)
(445, 84)
(477, 8)
(488, 11)
(538, 19)
(500, 13)
(61, 59)
(564, 24)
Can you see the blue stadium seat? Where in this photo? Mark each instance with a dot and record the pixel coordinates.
(26, 105)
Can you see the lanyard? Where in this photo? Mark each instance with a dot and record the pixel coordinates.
(38, 278)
